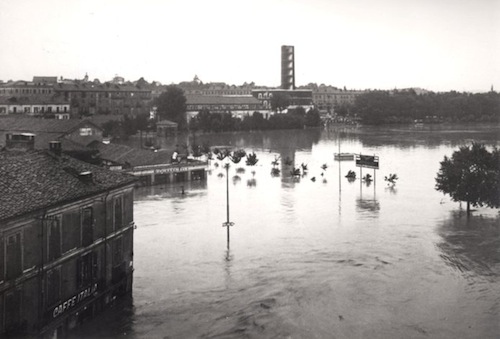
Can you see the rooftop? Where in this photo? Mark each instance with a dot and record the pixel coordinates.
(133, 156)
(33, 181)
(34, 125)
(221, 100)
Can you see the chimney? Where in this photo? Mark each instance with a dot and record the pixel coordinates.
(86, 177)
(55, 147)
(20, 141)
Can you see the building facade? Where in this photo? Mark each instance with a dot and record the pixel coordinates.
(297, 97)
(329, 98)
(66, 242)
(27, 89)
(35, 107)
(90, 98)
(239, 106)
(49, 96)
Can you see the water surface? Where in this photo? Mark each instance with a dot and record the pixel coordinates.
(320, 258)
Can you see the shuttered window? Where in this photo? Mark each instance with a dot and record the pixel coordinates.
(13, 256)
(87, 226)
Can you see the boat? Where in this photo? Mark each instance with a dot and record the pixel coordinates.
(343, 156)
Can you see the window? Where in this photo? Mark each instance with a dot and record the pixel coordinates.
(85, 270)
(85, 131)
(27, 109)
(53, 237)
(118, 213)
(87, 219)
(118, 271)
(2, 263)
(49, 109)
(53, 286)
(13, 304)
(13, 256)
(32, 245)
(71, 230)
(35, 109)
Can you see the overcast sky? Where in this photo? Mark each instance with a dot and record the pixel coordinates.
(439, 45)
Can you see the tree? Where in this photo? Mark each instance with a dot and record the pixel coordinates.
(171, 105)
(312, 119)
(279, 101)
(472, 174)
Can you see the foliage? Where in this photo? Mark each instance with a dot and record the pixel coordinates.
(391, 179)
(171, 105)
(472, 174)
(128, 126)
(312, 118)
(224, 122)
(275, 172)
(252, 159)
(378, 107)
(280, 101)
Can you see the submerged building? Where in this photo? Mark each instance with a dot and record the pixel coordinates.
(66, 240)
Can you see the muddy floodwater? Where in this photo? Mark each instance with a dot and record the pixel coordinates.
(316, 256)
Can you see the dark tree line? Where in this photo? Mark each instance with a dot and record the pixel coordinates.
(224, 122)
(122, 129)
(379, 107)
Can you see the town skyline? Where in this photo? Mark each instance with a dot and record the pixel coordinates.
(361, 45)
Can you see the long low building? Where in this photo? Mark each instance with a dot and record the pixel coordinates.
(152, 168)
(238, 105)
(39, 107)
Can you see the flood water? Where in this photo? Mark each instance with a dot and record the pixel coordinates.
(321, 258)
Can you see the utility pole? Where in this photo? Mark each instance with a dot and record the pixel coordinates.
(228, 223)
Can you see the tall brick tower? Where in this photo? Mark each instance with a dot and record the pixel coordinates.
(287, 67)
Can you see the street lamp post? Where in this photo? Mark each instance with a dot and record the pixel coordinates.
(228, 223)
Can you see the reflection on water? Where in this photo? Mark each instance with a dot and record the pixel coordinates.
(471, 245)
(372, 206)
(315, 258)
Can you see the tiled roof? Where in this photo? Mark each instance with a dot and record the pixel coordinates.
(107, 87)
(34, 125)
(50, 79)
(135, 157)
(221, 100)
(33, 181)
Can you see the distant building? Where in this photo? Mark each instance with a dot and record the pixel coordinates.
(66, 241)
(35, 106)
(44, 80)
(82, 132)
(298, 97)
(329, 98)
(26, 89)
(238, 105)
(166, 128)
(287, 67)
(152, 168)
(89, 98)
(196, 87)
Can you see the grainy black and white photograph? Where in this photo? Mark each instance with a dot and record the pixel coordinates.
(286, 169)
